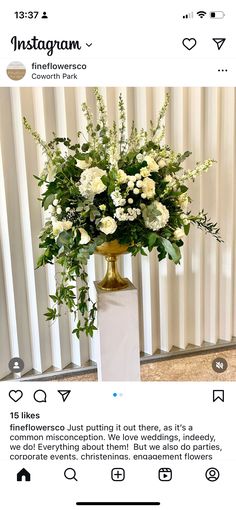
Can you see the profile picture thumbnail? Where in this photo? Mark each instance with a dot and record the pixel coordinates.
(16, 71)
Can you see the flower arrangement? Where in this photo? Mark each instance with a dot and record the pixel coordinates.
(132, 189)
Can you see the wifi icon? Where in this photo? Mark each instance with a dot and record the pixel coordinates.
(201, 14)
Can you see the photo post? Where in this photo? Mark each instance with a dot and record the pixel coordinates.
(117, 255)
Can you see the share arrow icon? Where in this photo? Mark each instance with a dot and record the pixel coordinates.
(64, 394)
(219, 41)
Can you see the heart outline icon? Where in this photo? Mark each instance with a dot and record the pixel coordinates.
(189, 43)
(15, 395)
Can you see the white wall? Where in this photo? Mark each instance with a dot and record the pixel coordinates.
(191, 303)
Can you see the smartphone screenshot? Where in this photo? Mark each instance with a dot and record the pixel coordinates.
(117, 255)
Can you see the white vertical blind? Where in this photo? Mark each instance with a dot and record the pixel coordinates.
(179, 305)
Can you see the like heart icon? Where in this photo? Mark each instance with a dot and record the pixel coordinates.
(15, 395)
(189, 43)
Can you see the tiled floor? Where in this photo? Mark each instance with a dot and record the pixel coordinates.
(191, 368)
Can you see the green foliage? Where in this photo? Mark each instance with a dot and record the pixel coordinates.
(48, 200)
(152, 240)
(186, 229)
(172, 249)
(205, 224)
(51, 314)
(64, 238)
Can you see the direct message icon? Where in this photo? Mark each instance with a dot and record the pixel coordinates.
(165, 474)
(64, 394)
(219, 41)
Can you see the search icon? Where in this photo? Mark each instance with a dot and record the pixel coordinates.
(70, 474)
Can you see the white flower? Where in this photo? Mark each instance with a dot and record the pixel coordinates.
(59, 209)
(97, 186)
(51, 209)
(139, 183)
(82, 163)
(170, 180)
(108, 225)
(67, 225)
(145, 172)
(179, 233)
(137, 176)
(91, 182)
(59, 226)
(85, 237)
(151, 164)
(143, 195)
(183, 201)
(114, 155)
(185, 219)
(148, 187)
(117, 198)
(130, 215)
(122, 177)
(130, 201)
(55, 202)
(131, 184)
(199, 168)
(50, 170)
(133, 213)
(161, 163)
(155, 215)
(139, 157)
(136, 191)
(120, 214)
(67, 209)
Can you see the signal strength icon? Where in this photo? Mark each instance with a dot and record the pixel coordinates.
(189, 15)
(201, 14)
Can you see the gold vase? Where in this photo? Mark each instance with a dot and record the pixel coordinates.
(112, 279)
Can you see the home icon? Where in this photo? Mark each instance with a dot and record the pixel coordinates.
(23, 474)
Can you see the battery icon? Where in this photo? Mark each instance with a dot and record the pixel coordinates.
(217, 14)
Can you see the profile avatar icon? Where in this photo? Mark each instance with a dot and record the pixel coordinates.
(212, 474)
(44, 16)
(16, 365)
(16, 71)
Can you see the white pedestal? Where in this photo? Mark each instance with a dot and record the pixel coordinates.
(118, 356)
